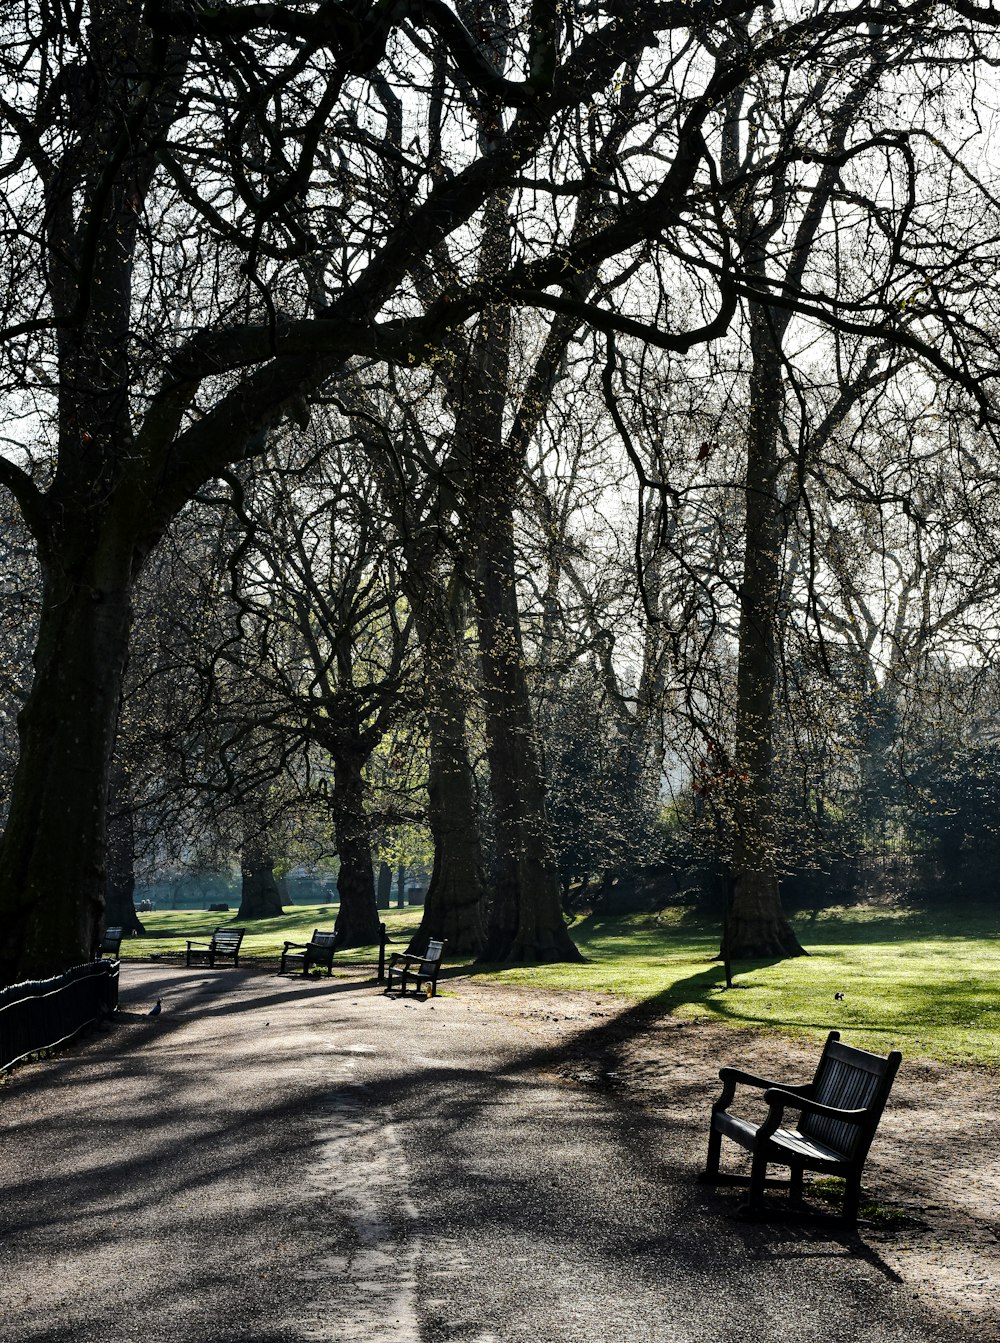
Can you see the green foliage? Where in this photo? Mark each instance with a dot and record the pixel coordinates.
(960, 796)
(601, 798)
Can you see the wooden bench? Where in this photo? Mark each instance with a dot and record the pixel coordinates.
(111, 944)
(317, 951)
(225, 942)
(838, 1111)
(421, 969)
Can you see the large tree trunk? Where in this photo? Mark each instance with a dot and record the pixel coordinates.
(454, 903)
(119, 906)
(383, 887)
(259, 896)
(53, 851)
(757, 927)
(87, 523)
(357, 918)
(526, 919)
(454, 906)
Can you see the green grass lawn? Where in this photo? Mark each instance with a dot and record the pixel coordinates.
(928, 984)
(168, 931)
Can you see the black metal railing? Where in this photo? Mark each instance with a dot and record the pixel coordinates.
(42, 1013)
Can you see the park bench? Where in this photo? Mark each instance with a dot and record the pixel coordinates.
(225, 942)
(317, 951)
(838, 1114)
(111, 944)
(421, 969)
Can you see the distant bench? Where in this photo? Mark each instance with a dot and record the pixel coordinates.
(111, 944)
(421, 969)
(317, 951)
(225, 943)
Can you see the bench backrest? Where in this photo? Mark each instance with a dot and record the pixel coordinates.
(227, 940)
(850, 1079)
(432, 956)
(112, 939)
(322, 940)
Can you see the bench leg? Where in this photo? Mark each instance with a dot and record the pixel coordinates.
(795, 1183)
(711, 1171)
(754, 1205)
(852, 1199)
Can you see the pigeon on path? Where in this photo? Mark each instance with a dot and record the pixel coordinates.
(155, 1011)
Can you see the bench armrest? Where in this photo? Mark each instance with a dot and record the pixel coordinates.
(780, 1099)
(398, 956)
(730, 1077)
(748, 1079)
(301, 945)
(198, 944)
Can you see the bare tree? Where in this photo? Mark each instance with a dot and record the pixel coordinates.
(196, 237)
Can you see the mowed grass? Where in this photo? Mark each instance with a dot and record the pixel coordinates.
(927, 983)
(168, 931)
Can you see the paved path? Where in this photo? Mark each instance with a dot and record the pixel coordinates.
(278, 1160)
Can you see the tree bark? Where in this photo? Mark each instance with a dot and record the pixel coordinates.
(259, 895)
(383, 887)
(53, 851)
(87, 523)
(757, 927)
(454, 905)
(357, 918)
(119, 908)
(526, 919)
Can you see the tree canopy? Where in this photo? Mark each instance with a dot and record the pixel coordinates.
(216, 218)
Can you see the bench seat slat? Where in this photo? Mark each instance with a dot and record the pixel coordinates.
(806, 1149)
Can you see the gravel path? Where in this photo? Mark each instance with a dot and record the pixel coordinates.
(273, 1159)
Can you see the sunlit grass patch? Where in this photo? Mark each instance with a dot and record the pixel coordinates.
(830, 1190)
(923, 982)
(167, 931)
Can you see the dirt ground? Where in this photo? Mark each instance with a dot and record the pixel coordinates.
(932, 1180)
(499, 1165)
